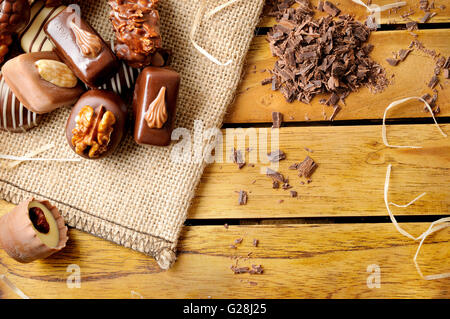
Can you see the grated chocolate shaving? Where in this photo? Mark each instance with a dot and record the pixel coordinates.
(326, 55)
(307, 167)
(243, 198)
(277, 119)
(276, 156)
(276, 176)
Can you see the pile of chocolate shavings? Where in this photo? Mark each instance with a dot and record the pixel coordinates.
(328, 55)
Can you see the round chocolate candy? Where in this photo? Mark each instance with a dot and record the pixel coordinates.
(14, 15)
(96, 124)
(14, 116)
(32, 230)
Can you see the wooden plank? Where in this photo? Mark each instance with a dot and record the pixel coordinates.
(348, 182)
(386, 17)
(254, 103)
(299, 261)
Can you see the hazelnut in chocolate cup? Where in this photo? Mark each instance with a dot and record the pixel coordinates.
(32, 230)
(96, 124)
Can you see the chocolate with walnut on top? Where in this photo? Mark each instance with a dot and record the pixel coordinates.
(136, 26)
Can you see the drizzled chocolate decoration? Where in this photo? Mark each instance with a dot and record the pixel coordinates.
(89, 44)
(14, 116)
(156, 114)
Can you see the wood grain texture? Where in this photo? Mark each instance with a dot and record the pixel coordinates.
(255, 103)
(348, 182)
(299, 261)
(386, 17)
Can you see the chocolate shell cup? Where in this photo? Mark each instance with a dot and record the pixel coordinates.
(99, 101)
(155, 85)
(20, 237)
(81, 48)
(37, 94)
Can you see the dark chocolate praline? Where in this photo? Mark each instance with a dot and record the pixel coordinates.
(97, 99)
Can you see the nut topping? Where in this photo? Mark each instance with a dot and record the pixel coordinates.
(56, 73)
(92, 132)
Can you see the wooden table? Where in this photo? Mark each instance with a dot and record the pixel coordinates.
(327, 242)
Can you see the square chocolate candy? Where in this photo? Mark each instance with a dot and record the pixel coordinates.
(154, 105)
(41, 81)
(81, 48)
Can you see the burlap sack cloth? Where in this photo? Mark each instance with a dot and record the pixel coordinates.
(138, 197)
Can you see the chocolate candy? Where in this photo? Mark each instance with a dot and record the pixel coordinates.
(33, 38)
(81, 48)
(14, 15)
(136, 26)
(154, 105)
(122, 83)
(96, 124)
(32, 230)
(41, 81)
(14, 116)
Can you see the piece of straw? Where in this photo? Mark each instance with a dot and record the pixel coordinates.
(17, 160)
(382, 8)
(196, 23)
(395, 103)
(220, 8)
(434, 227)
(13, 287)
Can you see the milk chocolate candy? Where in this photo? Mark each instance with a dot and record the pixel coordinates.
(154, 105)
(32, 230)
(96, 124)
(41, 81)
(122, 83)
(14, 15)
(33, 38)
(81, 48)
(14, 116)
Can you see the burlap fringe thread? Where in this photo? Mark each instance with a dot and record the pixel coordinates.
(434, 226)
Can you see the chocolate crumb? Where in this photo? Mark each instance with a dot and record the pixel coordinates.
(238, 241)
(255, 242)
(243, 197)
(275, 185)
(276, 176)
(331, 9)
(277, 119)
(226, 226)
(392, 61)
(433, 82)
(237, 158)
(293, 193)
(233, 247)
(308, 150)
(276, 156)
(307, 167)
(294, 166)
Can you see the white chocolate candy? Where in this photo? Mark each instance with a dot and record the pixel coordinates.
(33, 38)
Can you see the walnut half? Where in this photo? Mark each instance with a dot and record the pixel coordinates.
(92, 132)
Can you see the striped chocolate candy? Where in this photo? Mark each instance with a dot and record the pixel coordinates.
(14, 117)
(33, 38)
(123, 82)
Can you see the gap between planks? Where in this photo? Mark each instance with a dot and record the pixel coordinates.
(299, 261)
